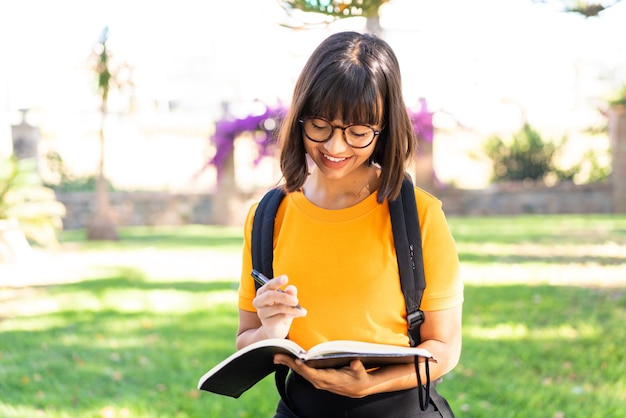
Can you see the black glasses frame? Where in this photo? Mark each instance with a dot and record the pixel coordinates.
(343, 130)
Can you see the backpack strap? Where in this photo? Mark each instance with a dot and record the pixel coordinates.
(263, 232)
(262, 242)
(408, 243)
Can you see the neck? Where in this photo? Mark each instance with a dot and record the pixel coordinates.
(341, 193)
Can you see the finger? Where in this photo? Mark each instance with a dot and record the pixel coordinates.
(277, 282)
(274, 298)
(285, 302)
(284, 360)
(357, 365)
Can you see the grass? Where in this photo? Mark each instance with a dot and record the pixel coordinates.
(148, 315)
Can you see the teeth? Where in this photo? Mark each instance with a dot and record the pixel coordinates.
(333, 159)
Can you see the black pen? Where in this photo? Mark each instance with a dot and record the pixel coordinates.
(261, 279)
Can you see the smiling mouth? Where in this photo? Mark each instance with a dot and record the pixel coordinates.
(334, 159)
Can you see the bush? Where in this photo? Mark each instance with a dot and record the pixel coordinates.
(25, 199)
(526, 157)
(66, 182)
(619, 98)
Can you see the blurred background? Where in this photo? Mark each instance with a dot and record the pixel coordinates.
(481, 70)
(482, 61)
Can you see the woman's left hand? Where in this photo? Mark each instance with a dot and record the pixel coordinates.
(352, 381)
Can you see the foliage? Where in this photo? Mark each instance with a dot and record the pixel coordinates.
(525, 157)
(78, 184)
(596, 172)
(589, 170)
(528, 157)
(68, 182)
(349, 8)
(532, 347)
(619, 97)
(102, 69)
(338, 8)
(584, 7)
(24, 197)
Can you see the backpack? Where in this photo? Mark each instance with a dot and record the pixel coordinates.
(408, 243)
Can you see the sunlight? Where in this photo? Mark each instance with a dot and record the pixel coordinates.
(31, 322)
(513, 58)
(516, 331)
(504, 272)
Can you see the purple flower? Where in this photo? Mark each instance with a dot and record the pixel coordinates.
(227, 130)
(423, 122)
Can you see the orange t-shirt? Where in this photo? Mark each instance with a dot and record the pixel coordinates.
(344, 264)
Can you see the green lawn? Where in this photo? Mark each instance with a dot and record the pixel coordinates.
(544, 318)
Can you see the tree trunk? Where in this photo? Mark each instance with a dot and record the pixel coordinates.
(372, 26)
(102, 226)
(225, 202)
(425, 167)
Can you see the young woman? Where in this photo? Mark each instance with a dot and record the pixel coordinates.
(344, 148)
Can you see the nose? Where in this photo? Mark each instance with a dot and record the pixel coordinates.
(336, 144)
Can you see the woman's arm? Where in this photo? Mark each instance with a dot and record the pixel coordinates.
(275, 311)
(441, 335)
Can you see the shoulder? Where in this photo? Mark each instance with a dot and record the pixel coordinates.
(425, 200)
(267, 205)
(430, 210)
(271, 197)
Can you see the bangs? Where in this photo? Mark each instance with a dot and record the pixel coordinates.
(345, 95)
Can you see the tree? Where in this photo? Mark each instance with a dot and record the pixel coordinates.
(102, 226)
(339, 9)
(584, 7)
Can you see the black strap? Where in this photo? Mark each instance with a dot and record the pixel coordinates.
(263, 232)
(280, 377)
(262, 242)
(441, 403)
(423, 400)
(408, 243)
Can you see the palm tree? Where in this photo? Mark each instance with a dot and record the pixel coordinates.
(102, 225)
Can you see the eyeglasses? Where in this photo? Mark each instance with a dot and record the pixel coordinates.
(319, 129)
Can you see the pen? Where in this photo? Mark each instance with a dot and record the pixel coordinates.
(261, 279)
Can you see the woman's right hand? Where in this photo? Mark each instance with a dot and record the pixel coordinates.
(277, 309)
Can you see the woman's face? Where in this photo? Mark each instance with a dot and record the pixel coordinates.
(335, 158)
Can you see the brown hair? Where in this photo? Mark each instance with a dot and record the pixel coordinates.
(356, 78)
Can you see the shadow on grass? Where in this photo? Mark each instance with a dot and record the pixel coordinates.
(540, 229)
(528, 351)
(485, 259)
(541, 351)
(140, 363)
(125, 279)
(162, 237)
(140, 283)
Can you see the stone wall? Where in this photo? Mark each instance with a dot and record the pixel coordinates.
(139, 208)
(152, 208)
(516, 199)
